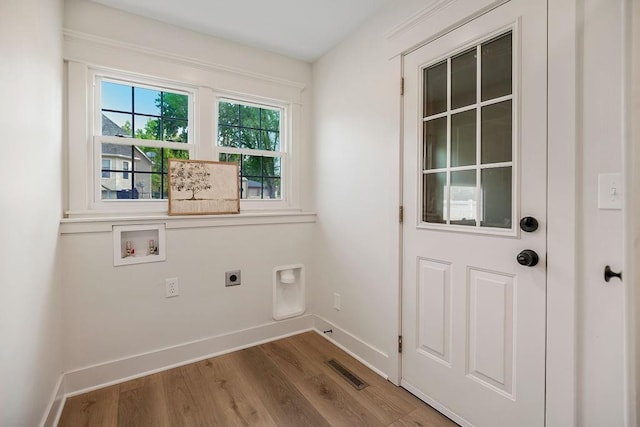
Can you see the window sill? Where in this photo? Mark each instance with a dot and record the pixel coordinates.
(105, 224)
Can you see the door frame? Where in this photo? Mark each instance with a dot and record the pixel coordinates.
(631, 228)
(562, 150)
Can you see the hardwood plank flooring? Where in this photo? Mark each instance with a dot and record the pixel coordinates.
(281, 383)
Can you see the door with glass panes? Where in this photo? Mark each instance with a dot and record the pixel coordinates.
(474, 195)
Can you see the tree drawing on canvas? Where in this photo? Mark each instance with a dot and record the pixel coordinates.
(203, 187)
(192, 177)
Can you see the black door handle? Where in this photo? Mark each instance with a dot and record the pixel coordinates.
(527, 258)
(528, 224)
(608, 274)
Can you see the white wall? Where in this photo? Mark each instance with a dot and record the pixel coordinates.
(600, 304)
(118, 312)
(356, 129)
(356, 99)
(31, 176)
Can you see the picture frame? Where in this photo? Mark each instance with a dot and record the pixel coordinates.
(201, 187)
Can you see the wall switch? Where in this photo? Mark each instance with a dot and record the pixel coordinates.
(171, 287)
(232, 278)
(336, 301)
(610, 191)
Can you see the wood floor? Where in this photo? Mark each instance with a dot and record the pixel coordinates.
(282, 383)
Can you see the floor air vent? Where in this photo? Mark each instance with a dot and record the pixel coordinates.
(352, 378)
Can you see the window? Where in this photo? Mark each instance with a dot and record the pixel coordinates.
(140, 127)
(136, 124)
(106, 168)
(468, 139)
(250, 135)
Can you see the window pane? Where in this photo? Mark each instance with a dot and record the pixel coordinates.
(175, 106)
(463, 79)
(151, 165)
(231, 158)
(271, 166)
(116, 96)
(496, 67)
(250, 138)
(249, 117)
(147, 128)
(463, 138)
(270, 141)
(435, 89)
(228, 114)
(175, 130)
(228, 136)
(496, 133)
(114, 183)
(116, 124)
(435, 143)
(251, 166)
(434, 202)
(146, 101)
(270, 119)
(463, 198)
(106, 167)
(496, 197)
(251, 187)
(172, 154)
(271, 188)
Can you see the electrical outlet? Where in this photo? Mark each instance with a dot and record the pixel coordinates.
(232, 278)
(336, 301)
(172, 289)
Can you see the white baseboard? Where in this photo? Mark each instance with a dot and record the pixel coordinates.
(371, 357)
(105, 374)
(117, 371)
(54, 409)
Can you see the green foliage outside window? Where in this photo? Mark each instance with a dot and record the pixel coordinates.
(253, 128)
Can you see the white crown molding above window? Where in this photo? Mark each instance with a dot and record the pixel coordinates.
(72, 37)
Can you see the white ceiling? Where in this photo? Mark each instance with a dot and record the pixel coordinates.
(303, 29)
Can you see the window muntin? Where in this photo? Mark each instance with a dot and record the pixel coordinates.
(140, 128)
(468, 138)
(251, 136)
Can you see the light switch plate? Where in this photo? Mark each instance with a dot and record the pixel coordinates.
(610, 192)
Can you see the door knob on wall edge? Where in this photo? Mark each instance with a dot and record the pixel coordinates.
(608, 274)
(528, 258)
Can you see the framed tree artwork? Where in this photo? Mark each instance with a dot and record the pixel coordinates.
(198, 187)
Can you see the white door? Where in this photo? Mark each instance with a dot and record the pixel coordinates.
(473, 317)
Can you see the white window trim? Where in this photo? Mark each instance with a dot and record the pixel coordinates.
(96, 76)
(83, 196)
(288, 176)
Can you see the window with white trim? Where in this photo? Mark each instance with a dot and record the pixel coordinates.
(136, 123)
(251, 135)
(138, 127)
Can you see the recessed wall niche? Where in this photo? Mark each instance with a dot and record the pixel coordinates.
(137, 244)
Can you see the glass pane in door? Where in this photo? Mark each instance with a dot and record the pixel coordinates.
(496, 68)
(463, 198)
(463, 139)
(496, 197)
(463, 79)
(435, 144)
(434, 197)
(496, 133)
(435, 89)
